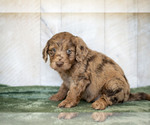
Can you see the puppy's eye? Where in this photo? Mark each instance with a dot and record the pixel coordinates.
(68, 51)
(52, 52)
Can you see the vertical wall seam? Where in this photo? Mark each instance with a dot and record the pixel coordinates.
(40, 44)
(137, 39)
(61, 15)
(104, 28)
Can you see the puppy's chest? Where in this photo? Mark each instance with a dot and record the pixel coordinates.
(67, 79)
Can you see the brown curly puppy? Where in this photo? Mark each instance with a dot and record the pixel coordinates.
(86, 74)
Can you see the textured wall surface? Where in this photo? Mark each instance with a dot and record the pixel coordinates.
(118, 28)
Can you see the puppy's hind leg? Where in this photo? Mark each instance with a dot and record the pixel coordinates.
(112, 93)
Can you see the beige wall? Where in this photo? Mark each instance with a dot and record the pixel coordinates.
(118, 28)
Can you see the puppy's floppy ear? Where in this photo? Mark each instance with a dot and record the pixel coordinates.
(81, 48)
(45, 54)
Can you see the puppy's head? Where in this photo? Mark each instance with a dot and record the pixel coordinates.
(64, 50)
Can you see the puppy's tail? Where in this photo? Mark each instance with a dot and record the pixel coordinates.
(139, 96)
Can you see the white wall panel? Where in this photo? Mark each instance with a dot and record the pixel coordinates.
(19, 6)
(143, 49)
(118, 28)
(20, 49)
(121, 6)
(50, 25)
(91, 28)
(143, 6)
(80, 6)
(121, 43)
(51, 6)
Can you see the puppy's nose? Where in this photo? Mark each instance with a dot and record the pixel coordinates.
(59, 63)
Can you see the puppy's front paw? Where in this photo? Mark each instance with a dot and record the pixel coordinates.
(55, 98)
(101, 105)
(67, 104)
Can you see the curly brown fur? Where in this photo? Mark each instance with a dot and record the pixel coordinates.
(86, 74)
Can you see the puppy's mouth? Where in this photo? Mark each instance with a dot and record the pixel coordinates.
(60, 66)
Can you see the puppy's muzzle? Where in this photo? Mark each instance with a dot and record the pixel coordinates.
(59, 63)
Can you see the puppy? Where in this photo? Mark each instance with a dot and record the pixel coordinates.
(86, 74)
